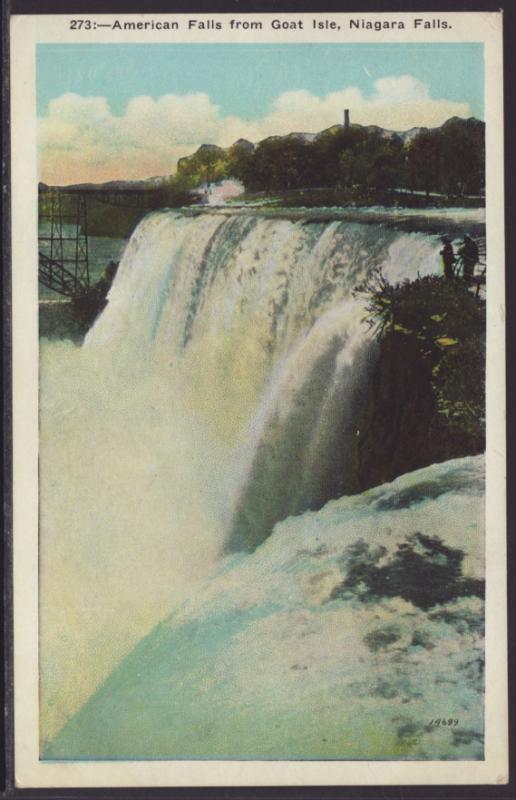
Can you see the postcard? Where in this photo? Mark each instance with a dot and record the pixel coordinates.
(258, 370)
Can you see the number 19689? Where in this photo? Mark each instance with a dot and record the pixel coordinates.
(441, 721)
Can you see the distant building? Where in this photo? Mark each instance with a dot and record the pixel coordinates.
(346, 118)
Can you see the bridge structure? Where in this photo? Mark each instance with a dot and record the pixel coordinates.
(63, 247)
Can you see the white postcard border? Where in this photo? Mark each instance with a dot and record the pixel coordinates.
(26, 32)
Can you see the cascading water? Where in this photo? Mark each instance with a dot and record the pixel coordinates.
(256, 319)
(215, 395)
(217, 398)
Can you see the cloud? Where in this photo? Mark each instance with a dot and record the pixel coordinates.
(397, 103)
(80, 139)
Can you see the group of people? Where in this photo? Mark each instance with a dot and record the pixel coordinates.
(460, 265)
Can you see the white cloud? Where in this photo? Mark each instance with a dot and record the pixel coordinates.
(82, 140)
(401, 89)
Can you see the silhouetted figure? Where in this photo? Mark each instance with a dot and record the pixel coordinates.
(93, 299)
(448, 257)
(468, 254)
(111, 270)
(103, 285)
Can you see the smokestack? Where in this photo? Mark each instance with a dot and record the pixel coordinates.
(346, 118)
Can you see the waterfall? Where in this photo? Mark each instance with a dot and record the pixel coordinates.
(254, 319)
(216, 395)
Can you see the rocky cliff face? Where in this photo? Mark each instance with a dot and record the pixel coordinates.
(401, 428)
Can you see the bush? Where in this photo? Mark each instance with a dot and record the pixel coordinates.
(445, 324)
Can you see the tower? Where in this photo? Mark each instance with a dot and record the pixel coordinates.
(346, 117)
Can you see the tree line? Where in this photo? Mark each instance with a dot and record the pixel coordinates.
(447, 160)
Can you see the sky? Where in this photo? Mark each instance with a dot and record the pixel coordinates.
(130, 111)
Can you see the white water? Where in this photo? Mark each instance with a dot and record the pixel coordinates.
(264, 661)
(203, 408)
(254, 321)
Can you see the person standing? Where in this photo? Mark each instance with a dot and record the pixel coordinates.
(448, 258)
(468, 253)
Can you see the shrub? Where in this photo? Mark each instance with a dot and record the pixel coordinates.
(445, 322)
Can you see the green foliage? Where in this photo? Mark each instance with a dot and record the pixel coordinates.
(280, 163)
(423, 162)
(339, 154)
(448, 160)
(337, 158)
(445, 323)
(240, 160)
(207, 165)
(173, 193)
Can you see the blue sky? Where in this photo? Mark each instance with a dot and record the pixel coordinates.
(131, 111)
(244, 79)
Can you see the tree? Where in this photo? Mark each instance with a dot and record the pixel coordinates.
(387, 164)
(208, 164)
(445, 323)
(463, 152)
(424, 162)
(330, 147)
(281, 163)
(240, 162)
